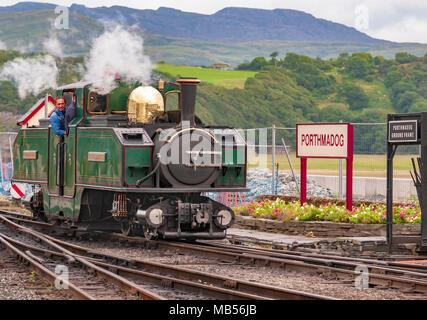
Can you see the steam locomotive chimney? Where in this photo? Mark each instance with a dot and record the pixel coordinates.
(188, 98)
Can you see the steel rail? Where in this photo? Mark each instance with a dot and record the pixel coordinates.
(377, 275)
(246, 287)
(153, 273)
(41, 270)
(187, 274)
(330, 260)
(123, 283)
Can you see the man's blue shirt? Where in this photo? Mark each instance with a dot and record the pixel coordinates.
(57, 120)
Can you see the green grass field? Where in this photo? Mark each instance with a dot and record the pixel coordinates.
(363, 165)
(227, 78)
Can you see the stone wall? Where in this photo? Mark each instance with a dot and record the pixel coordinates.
(324, 229)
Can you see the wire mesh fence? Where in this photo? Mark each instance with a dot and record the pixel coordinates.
(271, 153)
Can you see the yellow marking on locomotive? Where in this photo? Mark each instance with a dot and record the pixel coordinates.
(96, 156)
(29, 155)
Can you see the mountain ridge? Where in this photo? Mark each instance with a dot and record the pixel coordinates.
(229, 24)
(25, 29)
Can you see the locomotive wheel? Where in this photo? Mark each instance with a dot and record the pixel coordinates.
(149, 234)
(126, 227)
(37, 212)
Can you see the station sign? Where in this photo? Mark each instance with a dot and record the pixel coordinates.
(403, 131)
(323, 140)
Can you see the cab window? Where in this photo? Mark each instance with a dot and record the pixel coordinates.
(97, 103)
(68, 95)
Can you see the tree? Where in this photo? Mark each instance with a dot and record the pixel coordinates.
(378, 60)
(365, 56)
(404, 57)
(334, 112)
(392, 78)
(386, 66)
(341, 60)
(400, 88)
(406, 100)
(419, 106)
(256, 64)
(274, 56)
(354, 96)
(357, 67)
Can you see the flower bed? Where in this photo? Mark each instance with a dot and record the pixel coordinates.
(364, 214)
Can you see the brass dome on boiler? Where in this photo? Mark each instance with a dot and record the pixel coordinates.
(144, 104)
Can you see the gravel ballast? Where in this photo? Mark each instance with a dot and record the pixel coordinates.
(308, 282)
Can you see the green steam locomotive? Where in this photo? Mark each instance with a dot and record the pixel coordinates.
(136, 160)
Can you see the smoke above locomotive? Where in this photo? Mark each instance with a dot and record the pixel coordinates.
(117, 51)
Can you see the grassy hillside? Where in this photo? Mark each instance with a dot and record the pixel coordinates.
(288, 90)
(225, 78)
(26, 31)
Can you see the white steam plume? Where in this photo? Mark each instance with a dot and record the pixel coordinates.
(117, 51)
(32, 75)
(53, 46)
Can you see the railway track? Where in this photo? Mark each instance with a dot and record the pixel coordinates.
(84, 279)
(382, 273)
(198, 284)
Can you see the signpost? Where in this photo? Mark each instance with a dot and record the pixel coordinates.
(406, 129)
(326, 140)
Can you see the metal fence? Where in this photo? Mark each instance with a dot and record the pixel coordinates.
(273, 150)
(277, 147)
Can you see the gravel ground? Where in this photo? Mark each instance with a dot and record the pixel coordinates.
(20, 283)
(312, 283)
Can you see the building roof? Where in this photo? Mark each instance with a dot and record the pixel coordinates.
(33, 110)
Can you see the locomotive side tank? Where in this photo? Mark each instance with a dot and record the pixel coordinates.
(131, 163)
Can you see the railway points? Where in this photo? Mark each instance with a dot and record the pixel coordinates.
(408, 280)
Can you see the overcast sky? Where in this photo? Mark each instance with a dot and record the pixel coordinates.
(395, 20)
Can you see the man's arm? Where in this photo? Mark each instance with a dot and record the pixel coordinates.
(70, 114)
(56, 125)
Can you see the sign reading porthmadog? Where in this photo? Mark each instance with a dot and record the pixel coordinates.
(402, 131)
(325, 140)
